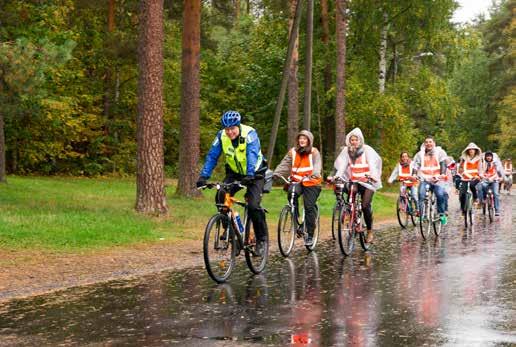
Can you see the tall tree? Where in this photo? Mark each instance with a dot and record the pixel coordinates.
(190, 98)
(150, 179)
(307, 112)
(327, 115)
(383, 52)
(340, 103)
(2, 148)
(293, 86)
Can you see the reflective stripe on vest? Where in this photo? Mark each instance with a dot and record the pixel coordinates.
(236, 158)
(302, 166)
(470, 168)
(404, 173)
(360, 168)
(430, 167)
(491, 172)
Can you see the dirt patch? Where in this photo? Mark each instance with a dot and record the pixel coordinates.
(27, 273)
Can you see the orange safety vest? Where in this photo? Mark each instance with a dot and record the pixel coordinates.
(302, 166)
(430, 167)
(491, 172)
(470, 168)
(508, 168)
(360, 168)
(404, 173)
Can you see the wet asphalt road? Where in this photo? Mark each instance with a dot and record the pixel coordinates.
(457, 290)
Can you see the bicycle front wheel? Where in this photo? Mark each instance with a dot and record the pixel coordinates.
(346, 231)
(286, 231)
(402, 211)
(315, 236)
(335, 222)
(490, 209)
(363, 236)
(413, 209)
(219, 248)
(424, 220)
(256, 260)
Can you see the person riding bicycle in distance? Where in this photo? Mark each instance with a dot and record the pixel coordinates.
(470, 170)
(403, 171)
(492, 173)
(244, 162)
(303, 163)
(360, 163)
(430, 164)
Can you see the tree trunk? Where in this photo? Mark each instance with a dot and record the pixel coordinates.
(237, 11)
(307, 112)
(190, 99)
(109, 73)
(293, 86)
(383, 53)
(327, 115)
(340, 102)
(2, 149)
(150, 178)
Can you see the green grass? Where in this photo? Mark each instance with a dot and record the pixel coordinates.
(68, 214)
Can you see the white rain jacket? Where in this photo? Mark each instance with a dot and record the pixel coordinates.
(418, 159)
(343, 160)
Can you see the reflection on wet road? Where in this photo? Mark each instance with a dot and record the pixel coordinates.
(458, 290)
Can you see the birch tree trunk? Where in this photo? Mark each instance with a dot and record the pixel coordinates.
(340, 102)
(383, 53)
(293, 85)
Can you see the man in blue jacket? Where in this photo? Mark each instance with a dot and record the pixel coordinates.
(244, 162)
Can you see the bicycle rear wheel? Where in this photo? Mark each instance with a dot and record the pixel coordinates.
(256, 262)
(363, 236)
(402, 211)
(315, 236)
(346, 231)
(286, 231)
(219, 248)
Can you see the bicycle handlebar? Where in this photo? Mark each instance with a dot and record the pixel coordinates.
(220, 185)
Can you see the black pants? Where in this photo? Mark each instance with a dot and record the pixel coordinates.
(463, 187)
(310, 195)
(253, 197)
(367, 198)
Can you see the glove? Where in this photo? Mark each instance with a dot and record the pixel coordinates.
(247, 180)
(201, 182)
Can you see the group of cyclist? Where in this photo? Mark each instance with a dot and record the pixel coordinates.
(357, 162)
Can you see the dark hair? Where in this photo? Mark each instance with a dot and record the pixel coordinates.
(429, 137)
(403, 152)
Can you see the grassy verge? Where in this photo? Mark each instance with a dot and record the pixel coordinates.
(68, 214)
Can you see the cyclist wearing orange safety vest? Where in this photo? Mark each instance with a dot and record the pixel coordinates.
(492, 173)
(303, 163)
(430, 164)
(360, 163)
(470, 170)
(404, 171)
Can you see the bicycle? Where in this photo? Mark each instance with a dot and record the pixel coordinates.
(429, 218)
(340, 201)
(351, 221)
(291, 224)
(405, 206)
(226, 235)
(468, 204)
(488, 204)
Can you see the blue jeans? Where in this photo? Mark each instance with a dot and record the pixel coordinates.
(412, 191)
(482, 192)
(439, 192)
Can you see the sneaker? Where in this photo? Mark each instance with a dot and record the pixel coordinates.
(497, 214)
(417, 213)
(309, 240)
(444, 219)
(476, 204)
(370, 236)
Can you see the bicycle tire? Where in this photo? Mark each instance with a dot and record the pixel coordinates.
(363, 236)
(402, 211)
(490, 208)
(413, 207)
(286, 231)
(346, 231)
(334, 222)
(256, 263)
(213, 234)
(467, 210)
(424, 220)
(315, 236)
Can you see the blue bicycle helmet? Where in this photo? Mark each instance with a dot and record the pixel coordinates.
(230, 118)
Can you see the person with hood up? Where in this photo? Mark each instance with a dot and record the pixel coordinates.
(404, 172)
(507, 180)
(430, 164)
(303, 164)
(470, 170)
(492, 173)
(360, 162)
